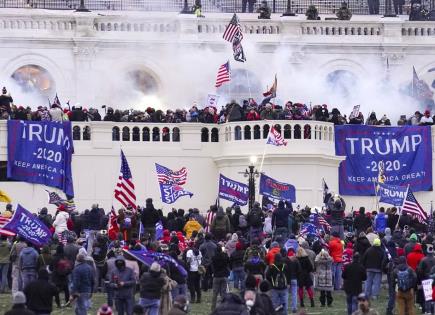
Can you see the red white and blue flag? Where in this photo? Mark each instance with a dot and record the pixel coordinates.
(124, 189)
(412, 207)
(223, 75)
(275, 138)
(170, 183)
(3, 222)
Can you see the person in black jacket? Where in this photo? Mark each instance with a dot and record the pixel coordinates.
(362, 244)
(361, 222)
(39, 294)
(19, 305)
(149, 218)
(151, 284)
(220, 266)
(280, 220)
(236, 264)
(231, 304)
(353, 275)
(177, 276)
(374, 260)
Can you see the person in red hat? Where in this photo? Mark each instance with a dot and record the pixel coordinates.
(105, 310)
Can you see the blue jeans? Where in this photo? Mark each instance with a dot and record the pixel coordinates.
(336, 275)
(294, 293)
(373, 283)
(28, 276)
(180, 289)
(82, 304)
(4, 277)
(124, 305)
(150, 305)
(352, 303)
(280, 297)
(239, 278)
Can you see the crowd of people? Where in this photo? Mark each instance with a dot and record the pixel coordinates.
(266, 261)
(233, 111)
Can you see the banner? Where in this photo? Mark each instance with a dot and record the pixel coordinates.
(212, 100)
(427, 289)
(277, 190)
(391, 194)
(233, 191)
(170, 193)
(40, 152)
(29, 227)
(406, 153)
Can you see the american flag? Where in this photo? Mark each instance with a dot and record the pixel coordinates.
(275, 138)
(3, 222)
(124, 190)
(223, 74)
(167, 176)
(323, 223)
(56, 101)
(238, 53)
(55, 199)
(420, 89)
(413, 208)
(233, 29)
(326, 194)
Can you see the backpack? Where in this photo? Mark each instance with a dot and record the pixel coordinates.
(404, 280)
(242, 221)
(63, 267)
(255, 219)
(280, 281)
(28, 260)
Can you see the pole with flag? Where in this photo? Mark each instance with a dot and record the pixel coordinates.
(124, 189)
(412, 207)
(274, 138)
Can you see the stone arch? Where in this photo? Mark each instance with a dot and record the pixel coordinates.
(76, 133)
(214, 135)
(125, 134)
(176, 134)
(145, 134)
(115, 134)
(204, 134)
(247, 132)
(135, 135)
(156, 134)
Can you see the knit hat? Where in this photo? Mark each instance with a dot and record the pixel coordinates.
(376, 242)
(155, 267)
(413, 237)
(264, 286)
(18, 298)
(105, 310)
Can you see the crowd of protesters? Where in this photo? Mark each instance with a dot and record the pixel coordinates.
(233, 111)
(264, 261)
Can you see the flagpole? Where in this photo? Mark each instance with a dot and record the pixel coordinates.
(400, 214)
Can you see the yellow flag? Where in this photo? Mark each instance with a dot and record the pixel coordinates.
(4, 197)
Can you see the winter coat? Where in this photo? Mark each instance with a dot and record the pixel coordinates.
(270, 257)
(208, 250)
(166, 296)
(231, 305)
(28, 259)
(414, 257)
(39, 295)
(336, 249)
(348, 254)
(149, 216)
(353, 274)
(220, 224)
(236, 259)
(151, 284)
(425, 266)
(125, 275)
(255, 266)
(19, 309)
(280, 217)
(304, 276)
(220, 265)
(381, 222)
(191, 226)
(82, 278)
(361, 223)
(362, 245)
(324, 273)
(273, 271)
(4, 252)
(374, 259)
(60, 223)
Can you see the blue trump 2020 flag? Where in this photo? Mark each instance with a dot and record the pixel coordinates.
(29, 227)
(40, 152)
(405, 152)
(277, 190)
(233, 191)
(391, 194)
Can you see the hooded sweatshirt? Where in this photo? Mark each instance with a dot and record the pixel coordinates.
(122, 275)
(414, 257)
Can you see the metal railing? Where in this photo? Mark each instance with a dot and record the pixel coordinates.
(225, 6)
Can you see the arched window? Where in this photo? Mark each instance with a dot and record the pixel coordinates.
(156, 134)
(87, 133)
(257, 132)
(165, 134)
(145, 134)
(247, 133)
(215, 135)
(125, 134)
(265, 131)
(238, 133)
(136, 134)
(204, 134)
(307, 132)
(297, 131)
(287, 132)
(176, 134)
(115, 134)
(76, 133)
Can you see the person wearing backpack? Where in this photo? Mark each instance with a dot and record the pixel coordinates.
(28, 262)
(277, 275)
(405, 279)
(220, 225)
(323, 266)
(353, 275)
(61, 268)
(293, 269)
(40, 293)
